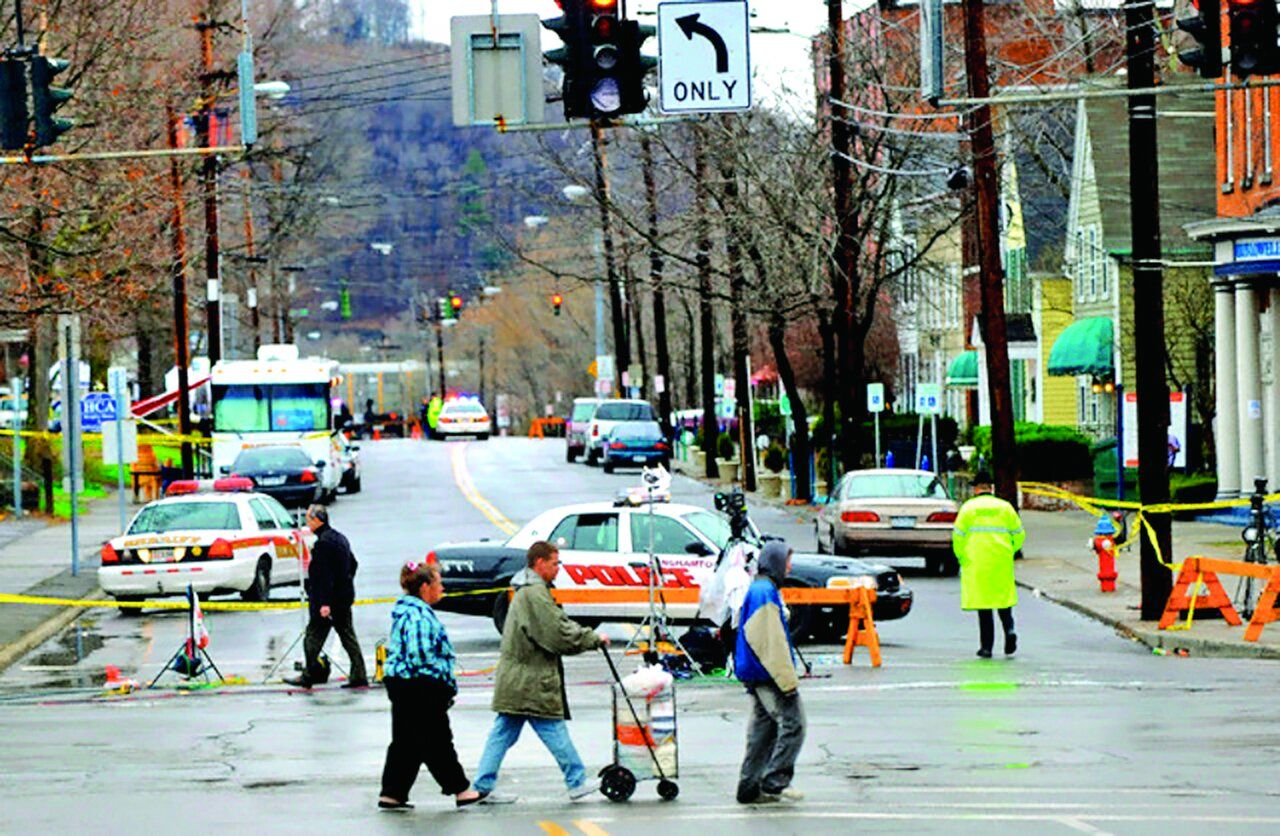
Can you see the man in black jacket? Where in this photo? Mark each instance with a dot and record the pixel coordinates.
(331, 590)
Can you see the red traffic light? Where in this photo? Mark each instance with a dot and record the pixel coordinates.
(556, 301)
(604, 5)
(456, 301)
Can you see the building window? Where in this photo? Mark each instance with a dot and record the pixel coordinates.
(1092, 261)
(1077, 263)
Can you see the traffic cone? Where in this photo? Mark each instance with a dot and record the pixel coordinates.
(377, 434)
(416, 433)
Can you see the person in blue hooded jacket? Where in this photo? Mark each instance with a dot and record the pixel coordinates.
(764, 662)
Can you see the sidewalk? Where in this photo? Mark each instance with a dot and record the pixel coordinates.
(1059, 564)
(35, 559)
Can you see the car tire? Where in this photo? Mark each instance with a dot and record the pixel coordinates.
(802, 615)
(129, 612)
(817, 539)
(501, 604)
(260, 589)
(590, 457)
(950, 566)
(608, 466)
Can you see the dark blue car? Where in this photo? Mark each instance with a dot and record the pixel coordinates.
(635, 444)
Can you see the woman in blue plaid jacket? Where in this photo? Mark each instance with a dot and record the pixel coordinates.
(418, 675)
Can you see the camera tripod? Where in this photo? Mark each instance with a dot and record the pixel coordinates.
(1256, 535)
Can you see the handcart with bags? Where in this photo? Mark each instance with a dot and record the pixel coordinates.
(644, 736)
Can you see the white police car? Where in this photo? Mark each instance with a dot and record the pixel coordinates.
(216, 535)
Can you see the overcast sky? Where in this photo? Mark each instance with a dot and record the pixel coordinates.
(781, 61)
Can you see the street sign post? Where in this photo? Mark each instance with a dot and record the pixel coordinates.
(875, 405)
(704, 59)
(95, 408)
(928, 402)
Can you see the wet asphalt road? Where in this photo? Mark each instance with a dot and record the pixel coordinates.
(1082, 731)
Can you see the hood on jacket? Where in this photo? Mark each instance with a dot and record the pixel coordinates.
(772, 562)
(407, 604)
(525, 577)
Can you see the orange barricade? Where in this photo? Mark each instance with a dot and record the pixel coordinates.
(538, 426)
(859, 600)
(1204, 571)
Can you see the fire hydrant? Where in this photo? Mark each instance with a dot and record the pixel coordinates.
(1104, 545)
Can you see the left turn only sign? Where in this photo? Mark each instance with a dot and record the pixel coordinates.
(704, 60)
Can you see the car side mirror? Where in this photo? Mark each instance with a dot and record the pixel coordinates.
(698, 549)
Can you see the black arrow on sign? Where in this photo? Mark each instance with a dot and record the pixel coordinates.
(689, 24)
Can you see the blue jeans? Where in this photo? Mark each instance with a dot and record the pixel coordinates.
(506, 731)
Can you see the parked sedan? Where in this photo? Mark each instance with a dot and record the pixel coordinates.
(286, 474)
(635, 445)
(890, 512)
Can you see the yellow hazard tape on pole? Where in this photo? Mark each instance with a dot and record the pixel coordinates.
(210, 606)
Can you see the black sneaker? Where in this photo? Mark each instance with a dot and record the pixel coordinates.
(984, 654)
(357, 683)
(1010, 644)
(299, 682)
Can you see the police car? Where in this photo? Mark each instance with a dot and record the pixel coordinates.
(606, 545)
(216, 535)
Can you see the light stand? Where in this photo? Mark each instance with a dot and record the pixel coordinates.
(190, 650)
(654, 624)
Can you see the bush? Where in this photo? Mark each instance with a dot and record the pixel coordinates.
(769, 420)
(775, 458)
(1044, 452)
(725, 448)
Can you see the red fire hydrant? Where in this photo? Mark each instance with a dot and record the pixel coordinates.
(1104, 546)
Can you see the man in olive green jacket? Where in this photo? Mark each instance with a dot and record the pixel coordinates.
(529, 686)
(987, 534)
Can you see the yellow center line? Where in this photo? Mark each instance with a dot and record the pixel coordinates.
(553, 829)
(590, 828)
(462, 478)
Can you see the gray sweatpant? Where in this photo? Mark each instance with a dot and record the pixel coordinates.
(775, 733)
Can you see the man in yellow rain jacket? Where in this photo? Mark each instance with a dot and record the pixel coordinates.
(988, 532)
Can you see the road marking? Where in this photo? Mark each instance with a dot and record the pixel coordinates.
(553, 829)
(590, 828)
(872, 815)
(1083, 827)
(462, 478)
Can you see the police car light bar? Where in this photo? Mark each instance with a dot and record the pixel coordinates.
(229, 484)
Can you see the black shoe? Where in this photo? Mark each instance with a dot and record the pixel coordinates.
(355, 683)
(1010, 644)
(394, 805)
(984, 653)
(299, 682)
(466, 802)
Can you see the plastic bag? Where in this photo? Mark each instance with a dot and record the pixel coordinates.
(724, 591)
(647, 681)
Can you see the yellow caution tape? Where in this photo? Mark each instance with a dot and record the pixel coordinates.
(150, 438)
(1191, 610)
(210, 606)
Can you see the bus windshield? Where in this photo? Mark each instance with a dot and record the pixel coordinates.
(277, 407)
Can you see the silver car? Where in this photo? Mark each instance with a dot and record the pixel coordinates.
(890, 512)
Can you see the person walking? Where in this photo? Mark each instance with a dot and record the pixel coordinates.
(529, 687)
(988, 533)
(764, 661)
(418, 675)
(331, 592)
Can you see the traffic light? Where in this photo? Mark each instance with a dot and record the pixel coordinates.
(1253, 36)
(556, 301)
(45, 99)
(13, 105)
(573, 57)
(455, 304)
(635, 66)
(1206, 27)
(344, 301)
(607, 64)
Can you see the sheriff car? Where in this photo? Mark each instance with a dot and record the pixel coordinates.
(216, 535)
(606, 544)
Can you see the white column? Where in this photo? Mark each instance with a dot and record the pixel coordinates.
(1226, 423)
(1272, 405)
(1249, 386)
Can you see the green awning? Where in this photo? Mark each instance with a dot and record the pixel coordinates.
(1085, 347)
(963, 371)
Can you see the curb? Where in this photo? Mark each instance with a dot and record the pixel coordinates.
(1159, 639)
(43, 631)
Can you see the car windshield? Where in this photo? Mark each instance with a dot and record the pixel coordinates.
(893, 485)
(625, 412)
(186, 516)
(271, 458)
(638, 431)
(582, 411)
(714, 526)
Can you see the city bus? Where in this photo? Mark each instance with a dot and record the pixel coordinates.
(278, 399)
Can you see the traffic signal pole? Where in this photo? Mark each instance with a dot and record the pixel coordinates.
(991, 320)
(1148, 308)
(621, 340)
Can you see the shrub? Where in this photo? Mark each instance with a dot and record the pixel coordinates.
(769, 420)
(1044, 452)
(775, 458)
(724, 447)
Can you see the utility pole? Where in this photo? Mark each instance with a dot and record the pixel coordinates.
(738, 319)
(482, 399)
(991, 320)
(707, 322)
(661, 350)
(251, 293)
(280, 308)
(440, 354)
(209, 181)
(1148, 307)
(178, 274)
(621, 343)
(844, 264)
